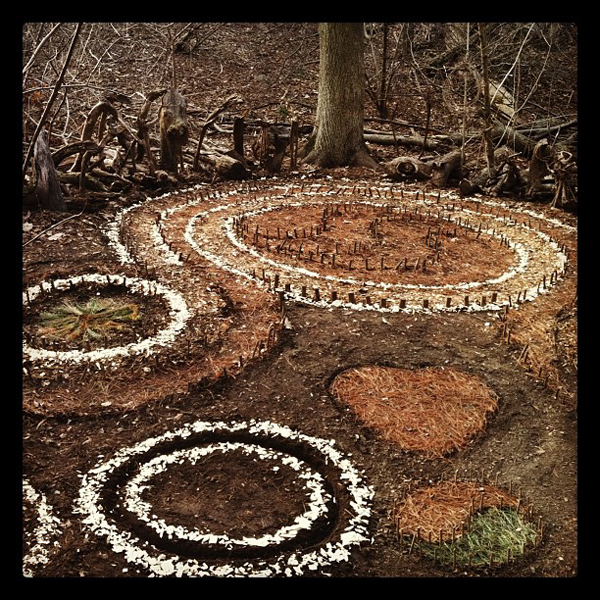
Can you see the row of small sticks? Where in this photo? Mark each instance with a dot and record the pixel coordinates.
(521, 507)
(274, 283)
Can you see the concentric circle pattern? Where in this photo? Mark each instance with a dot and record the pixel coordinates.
(334, 519)
(370, 248)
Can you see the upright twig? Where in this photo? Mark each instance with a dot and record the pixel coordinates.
(464, 119)
(487, 121)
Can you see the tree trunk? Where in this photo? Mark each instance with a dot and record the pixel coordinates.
(338, 137)
(46, 184)
(173, 130)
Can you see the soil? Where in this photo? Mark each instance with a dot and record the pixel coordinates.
(80, 416)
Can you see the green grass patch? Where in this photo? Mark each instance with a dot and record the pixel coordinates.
(494, 537)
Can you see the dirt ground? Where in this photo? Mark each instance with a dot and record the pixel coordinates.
(69, 426)
(529, 443)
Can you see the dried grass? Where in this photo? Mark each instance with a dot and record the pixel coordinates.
(536, 328)
(442, 512)
(433, 410)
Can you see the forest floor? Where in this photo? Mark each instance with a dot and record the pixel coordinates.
(78, 418)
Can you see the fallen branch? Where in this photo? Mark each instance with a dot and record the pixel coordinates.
(74, 148)
(209, 120)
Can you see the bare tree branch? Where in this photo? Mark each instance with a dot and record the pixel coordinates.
(38, 48)
(52, 98)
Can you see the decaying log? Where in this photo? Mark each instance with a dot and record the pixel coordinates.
(223, 164)
(46, 183)
(548, 160)
(539, 165)
(407, 167)
(506, 176)
(445, 167)
(432, 142)
(89, 181)
(565, 177)
(173, 130)
(546, 127)
(438, 170)
(269, 148)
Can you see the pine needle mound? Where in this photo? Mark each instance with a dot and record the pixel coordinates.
(465, 523)
(439, 513)
(433, 410)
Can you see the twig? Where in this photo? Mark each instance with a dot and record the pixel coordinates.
(55, 91)
(57, 224)
(39, 47)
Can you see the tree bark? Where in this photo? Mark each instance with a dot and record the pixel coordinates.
(46, 184)
(338, 137)
(173, 130)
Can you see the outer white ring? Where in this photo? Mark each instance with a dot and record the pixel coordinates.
(46, 528)
(158, 564)
(258, 206)
(242, 200)
(178, 312)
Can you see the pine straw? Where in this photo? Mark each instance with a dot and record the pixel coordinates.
(256, 329)
(442, 512)
(464, 257)
(433, 410)
(537, 326)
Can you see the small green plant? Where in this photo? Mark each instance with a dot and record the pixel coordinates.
(86, 321)
(495, 536)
